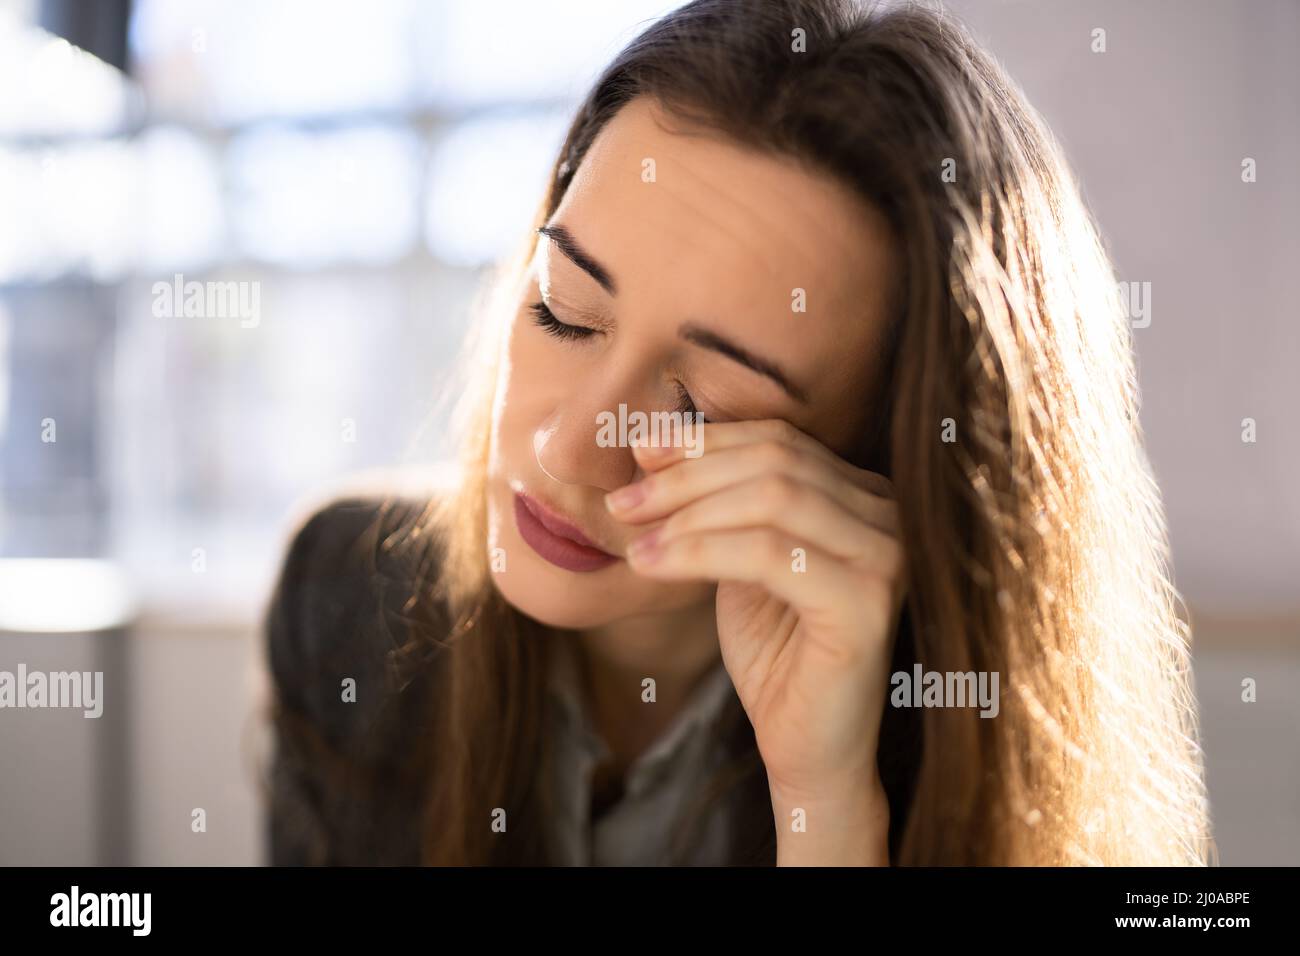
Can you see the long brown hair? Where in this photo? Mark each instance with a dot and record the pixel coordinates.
(1034, 532)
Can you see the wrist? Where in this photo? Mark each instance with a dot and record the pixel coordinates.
(839, 823)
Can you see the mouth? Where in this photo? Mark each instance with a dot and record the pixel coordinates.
(555, 539)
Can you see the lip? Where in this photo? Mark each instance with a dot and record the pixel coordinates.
(555, 539)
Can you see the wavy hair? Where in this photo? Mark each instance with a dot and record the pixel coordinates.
(1034, 530)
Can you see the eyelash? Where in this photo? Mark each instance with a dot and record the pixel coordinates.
(686, 406)
(545, 318)
(548, 323)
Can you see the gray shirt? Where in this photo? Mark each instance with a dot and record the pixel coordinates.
(636, 830)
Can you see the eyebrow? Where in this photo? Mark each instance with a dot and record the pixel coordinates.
(565, 242)
(705, 338)
(689, 331)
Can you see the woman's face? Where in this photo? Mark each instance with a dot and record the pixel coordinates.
(709, 275)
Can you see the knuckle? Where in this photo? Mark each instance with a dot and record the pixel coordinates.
(781, 431)
(772, 546)
(779, 492)
(878, 485)
(875, 589)
(892, 559)
(777, 455)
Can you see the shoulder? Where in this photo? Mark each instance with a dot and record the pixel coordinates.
(344, 778)
(341, 610)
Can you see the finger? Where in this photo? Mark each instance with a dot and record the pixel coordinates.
(796, 508)
(715, 436)
(802, 575)
(658, 495)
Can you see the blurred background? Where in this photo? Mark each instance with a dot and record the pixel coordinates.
(360, 166)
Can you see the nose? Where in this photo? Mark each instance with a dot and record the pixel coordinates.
(567, 448)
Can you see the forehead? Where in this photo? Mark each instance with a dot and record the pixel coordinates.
(697, 227)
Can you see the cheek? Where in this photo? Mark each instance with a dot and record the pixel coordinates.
(537, 367)
(534, 376)
(518, 382)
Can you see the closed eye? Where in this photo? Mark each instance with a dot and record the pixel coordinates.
(546, 319)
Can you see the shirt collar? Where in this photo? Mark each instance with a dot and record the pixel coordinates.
(703, 708)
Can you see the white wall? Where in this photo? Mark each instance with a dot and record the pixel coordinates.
(1156, 128)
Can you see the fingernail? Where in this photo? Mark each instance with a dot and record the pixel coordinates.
(652, 452)
(645, 548)
(626, 497)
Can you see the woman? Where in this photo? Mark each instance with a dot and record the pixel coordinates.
(842, 238)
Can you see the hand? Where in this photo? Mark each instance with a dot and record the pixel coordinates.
(811, 581)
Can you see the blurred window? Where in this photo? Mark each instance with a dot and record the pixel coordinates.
(351, 168)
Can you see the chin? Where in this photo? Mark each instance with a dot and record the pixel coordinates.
(553, 607)
(577, 601)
